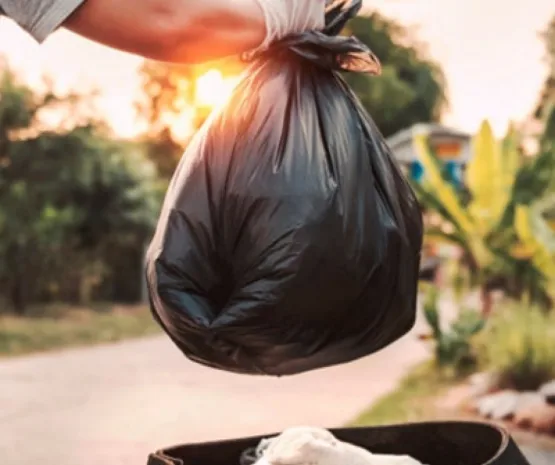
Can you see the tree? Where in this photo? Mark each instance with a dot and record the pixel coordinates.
(68, 201)
(164, 151)
(547, 95)
(19, 108)
(411, 88)
(67, 198)
(168, 91)
(547, 139)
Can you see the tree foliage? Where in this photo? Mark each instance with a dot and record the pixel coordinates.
(68, 198)
(411, 89)
(546, 100)
(168, 90)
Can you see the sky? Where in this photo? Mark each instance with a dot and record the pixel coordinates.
(490, 51)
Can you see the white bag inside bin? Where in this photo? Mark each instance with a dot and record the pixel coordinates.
(317, 446)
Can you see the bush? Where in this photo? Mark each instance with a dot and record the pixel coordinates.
(519, 346)
(453, 349)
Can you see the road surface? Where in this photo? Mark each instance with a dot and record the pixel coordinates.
(114, 404)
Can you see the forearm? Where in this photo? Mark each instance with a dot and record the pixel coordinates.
(187, 31)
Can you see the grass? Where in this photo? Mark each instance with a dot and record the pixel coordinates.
(517, 344)
(414, 399)
(60, 327)
(419, 398)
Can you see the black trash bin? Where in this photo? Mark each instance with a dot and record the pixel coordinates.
(438, 443)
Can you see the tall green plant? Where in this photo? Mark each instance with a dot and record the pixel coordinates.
(492, 227)
(537, 237)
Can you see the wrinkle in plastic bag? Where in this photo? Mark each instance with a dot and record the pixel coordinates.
(289, 240)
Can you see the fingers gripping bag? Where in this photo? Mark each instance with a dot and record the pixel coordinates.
(289, 239)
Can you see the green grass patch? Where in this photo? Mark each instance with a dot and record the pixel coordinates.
(414, 400)
(60, 327)
(419, 398)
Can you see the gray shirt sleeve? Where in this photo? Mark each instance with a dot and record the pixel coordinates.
(39, 17)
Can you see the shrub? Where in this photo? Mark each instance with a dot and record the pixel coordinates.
(519, 346)
(453, 347)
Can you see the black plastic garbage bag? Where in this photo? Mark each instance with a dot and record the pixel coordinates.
(289, 239)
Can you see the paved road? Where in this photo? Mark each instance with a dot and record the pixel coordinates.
(538, 456)
(113, 404)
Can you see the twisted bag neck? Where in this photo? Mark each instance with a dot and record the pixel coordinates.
(326, 48)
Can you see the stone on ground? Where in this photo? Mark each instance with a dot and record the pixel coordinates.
(548, 390)
(482, 384)
(499, 406)
(538, 417)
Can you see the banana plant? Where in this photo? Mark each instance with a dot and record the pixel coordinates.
(490, 178)
(537, 237)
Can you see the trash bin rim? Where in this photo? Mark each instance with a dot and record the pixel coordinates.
(505, 438)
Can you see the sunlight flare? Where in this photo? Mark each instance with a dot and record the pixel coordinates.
(213, 89)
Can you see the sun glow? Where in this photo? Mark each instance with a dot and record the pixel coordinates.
(210, 89)
(213, 89)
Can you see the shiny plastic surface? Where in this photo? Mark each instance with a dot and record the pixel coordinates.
(289, 240)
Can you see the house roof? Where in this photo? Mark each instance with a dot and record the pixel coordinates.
(406, 136)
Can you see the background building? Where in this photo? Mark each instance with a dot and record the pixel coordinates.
(453, 147)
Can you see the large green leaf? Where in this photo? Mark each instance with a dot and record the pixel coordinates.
(490, 177)
(538, 237)
(444, 191)
(440, 191)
